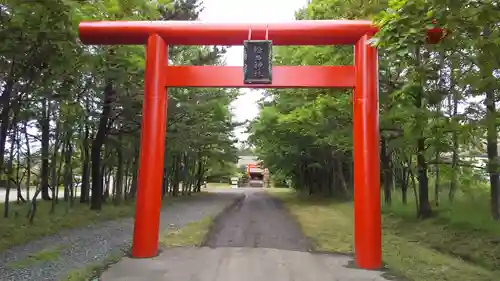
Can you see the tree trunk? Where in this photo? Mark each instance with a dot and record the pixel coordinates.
(199, 173)
(4, 118)
(453, 99)
(55, 171)
(486, 70)
(492, 150)
(28, 160)
(119, 173)
(454, 157)
(68, 178)
(135, 170)
(176, 174)
(8, 178)
(20, 198)
(84, 189)
(99, 140)
(404, 185)
(45, 126)
(386, 171)
(341, 178)
(106, 172)
(437, 179)
(424, 210)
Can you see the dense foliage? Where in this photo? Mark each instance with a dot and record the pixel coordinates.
(438, 120)
(71, 114)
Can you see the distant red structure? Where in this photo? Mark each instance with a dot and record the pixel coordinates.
(255, 171)
(249, 167)
(362, 77)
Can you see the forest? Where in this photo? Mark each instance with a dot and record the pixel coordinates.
(71, 114)
(438, 116)
(71, 120)
(438, 129)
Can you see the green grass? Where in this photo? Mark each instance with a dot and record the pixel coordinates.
(51, 254)
(191, 235)
(409, 246)
(463, 228)
(16, 230)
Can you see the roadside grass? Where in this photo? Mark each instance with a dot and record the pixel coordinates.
(45, 255)
(218, 185)
(16, 229)
(463, 228)
(414, 250)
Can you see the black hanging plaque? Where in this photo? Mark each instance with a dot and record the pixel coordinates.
(257, 62)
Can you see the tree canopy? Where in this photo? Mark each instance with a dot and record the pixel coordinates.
(438, 120)
(71, 114)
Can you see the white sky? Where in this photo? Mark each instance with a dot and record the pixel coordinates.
(258, 11)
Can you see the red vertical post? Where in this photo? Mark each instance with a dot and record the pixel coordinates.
(153, 131)
(367, 220)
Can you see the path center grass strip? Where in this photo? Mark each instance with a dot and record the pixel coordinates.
(191, 235)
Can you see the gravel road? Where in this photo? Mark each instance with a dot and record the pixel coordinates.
(257, 221)
(94, 243)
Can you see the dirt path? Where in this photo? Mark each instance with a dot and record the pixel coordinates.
(257, 221)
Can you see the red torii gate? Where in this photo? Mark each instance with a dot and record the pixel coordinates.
(362, 77)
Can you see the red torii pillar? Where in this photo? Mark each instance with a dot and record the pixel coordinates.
(363, 77)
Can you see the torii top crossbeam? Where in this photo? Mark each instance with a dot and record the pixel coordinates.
(304, 32)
